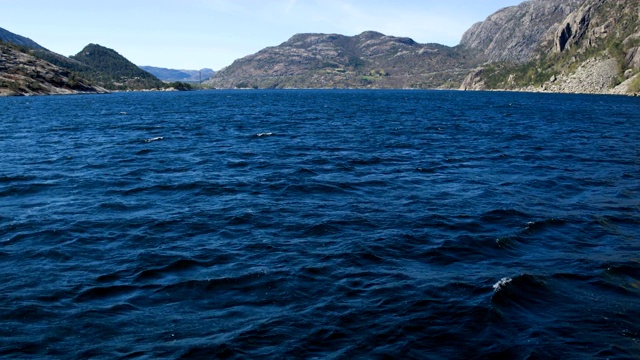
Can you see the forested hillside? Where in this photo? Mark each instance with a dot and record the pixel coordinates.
(112, 70)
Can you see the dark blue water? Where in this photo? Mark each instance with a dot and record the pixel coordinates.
(320, 224)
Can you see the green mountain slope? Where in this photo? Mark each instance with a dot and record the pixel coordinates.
(113, 71)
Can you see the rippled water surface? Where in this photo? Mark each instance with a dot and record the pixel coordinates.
(320, 224)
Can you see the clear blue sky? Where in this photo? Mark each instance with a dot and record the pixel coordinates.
(194, 34)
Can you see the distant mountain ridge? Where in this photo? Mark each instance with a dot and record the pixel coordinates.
(192, 76)
(367, 60)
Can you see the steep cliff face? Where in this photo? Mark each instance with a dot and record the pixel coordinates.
(370, 60)
(513, 34)
(593, 49)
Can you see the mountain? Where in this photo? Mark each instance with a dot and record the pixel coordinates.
(594, 47)
(113, 70)
(94, 64)
(25, 74)
(513, 34)
(588, 46)
(165, 74)
(367, 60)
(93, 69)
(11, 38)
(585, 46)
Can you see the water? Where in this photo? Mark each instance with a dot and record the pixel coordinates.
(320, 224)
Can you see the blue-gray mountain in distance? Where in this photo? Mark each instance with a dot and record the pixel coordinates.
(9, 37)
(165, 74)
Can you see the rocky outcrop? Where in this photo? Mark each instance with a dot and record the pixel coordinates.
(367, 60)
(513, 34)
(24, 74)
(577, 25)
(474, 80)
(632, 57)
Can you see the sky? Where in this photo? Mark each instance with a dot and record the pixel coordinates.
(196, 34)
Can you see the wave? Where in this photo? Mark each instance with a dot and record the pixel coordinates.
(158, 138)
(521, 290)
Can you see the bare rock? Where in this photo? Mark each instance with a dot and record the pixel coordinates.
(594, 76)
(474, 80)
(514, 33)
(633, 57)
(575, 26)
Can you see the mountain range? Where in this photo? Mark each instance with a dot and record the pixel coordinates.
(191, 76)
(27, 68)
(367, 60)
(588, 46)
(577, 46)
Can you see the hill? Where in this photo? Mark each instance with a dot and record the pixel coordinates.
(25, 74)
(95, 66)
(192, 76)
(367, 60)
(112, 70)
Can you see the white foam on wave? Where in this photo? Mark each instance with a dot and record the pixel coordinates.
(502, 283)
(264, 134)
(155, 139)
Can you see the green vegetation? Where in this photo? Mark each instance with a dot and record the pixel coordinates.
(112, 71)
(180, 86)
(246, 85)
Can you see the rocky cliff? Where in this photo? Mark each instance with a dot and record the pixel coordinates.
(595, 48)
(368, 60)
(513, 34)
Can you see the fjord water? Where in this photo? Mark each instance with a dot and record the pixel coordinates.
(320, 224)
